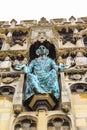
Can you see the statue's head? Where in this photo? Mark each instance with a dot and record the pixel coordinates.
(42, 50)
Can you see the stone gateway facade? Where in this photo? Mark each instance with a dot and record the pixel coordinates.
(66, 41)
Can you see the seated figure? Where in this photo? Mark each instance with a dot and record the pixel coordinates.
(80, 59)
(42, 75)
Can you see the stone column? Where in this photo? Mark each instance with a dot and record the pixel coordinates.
(5, 113)
(18, 97)
(42, 121)
(64, 95)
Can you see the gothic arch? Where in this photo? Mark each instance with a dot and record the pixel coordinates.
(7, 91)
(78, 88)
(21, 119)
(60, 116)
(58, 121)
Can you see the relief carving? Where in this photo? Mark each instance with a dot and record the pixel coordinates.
(80, 59)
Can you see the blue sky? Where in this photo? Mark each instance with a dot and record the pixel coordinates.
(35, 9)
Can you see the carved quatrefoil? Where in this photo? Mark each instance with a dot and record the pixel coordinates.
(7, 80)
(75, 77)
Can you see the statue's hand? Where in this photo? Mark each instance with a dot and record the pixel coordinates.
(20, 66)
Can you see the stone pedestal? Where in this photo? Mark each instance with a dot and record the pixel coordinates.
(41, 102)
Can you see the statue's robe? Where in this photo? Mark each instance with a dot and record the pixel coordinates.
(42, 77)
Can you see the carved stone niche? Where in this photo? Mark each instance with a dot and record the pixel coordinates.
(7, 91)
(5, 64)
(79, 88)
(19, 59)
(47, 44)
(59, 123)
(18, 37)
(67, 37)
(80, 60)
(41, 102)
(25, 124)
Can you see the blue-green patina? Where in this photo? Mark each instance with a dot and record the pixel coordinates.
(42, 75)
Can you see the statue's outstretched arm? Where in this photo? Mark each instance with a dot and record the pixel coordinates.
(59, 67)
(63, 67)
(26, 69)
(20, 66)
